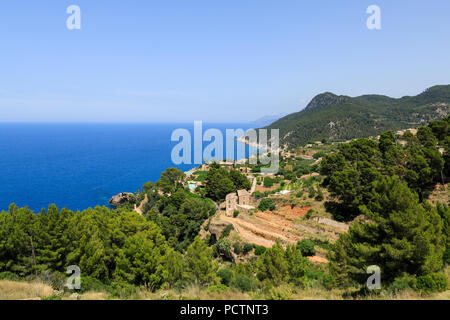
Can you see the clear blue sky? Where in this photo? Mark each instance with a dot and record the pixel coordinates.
(211, 59)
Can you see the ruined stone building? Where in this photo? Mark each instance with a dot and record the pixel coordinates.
(238, 201)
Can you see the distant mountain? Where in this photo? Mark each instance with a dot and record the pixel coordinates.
(340, 118)
(266, 120)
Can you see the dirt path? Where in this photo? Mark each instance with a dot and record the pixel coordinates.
(141, 206)
(318, 259)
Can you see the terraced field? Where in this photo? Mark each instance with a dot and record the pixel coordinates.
(286, 223)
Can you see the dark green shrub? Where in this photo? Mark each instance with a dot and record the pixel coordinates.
(403, 283)
(92, 284)
(312, 192)
(446, 256)
(219, 288)
(7, 275)
(289, 176)
(226, 231)
(122, 290)
(258, 195)
(299, 194)
(325, 244)
(268, 182)
(259, 250)
(432, 282)
(266, 204)
(309, 213)
(245, 283)
(237, 248)
(226, 276)
(223, 249)
(329, 282)
(319, 196)
(307, 247)
(247, 248)
(278, 293)
(319, 154)
(235, 213)
(182, 284)
(206, 227)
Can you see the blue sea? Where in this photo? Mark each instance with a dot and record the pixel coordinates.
(82, 165)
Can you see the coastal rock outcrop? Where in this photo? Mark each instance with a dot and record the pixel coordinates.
(120, 198)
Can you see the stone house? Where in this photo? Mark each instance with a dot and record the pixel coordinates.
(243, 197)
(238, 201)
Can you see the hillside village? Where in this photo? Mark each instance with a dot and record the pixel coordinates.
(287, 221)
(298, 211)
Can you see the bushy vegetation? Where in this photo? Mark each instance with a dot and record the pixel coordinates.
(113, 246)
(266, 204)
(220, 182)
(268, 182)
(273, 267)
(319, 154)
(342, 118)
(108, 245)
(402, 233)
(353, 170)
(306, 247)
(259, 250)
(179, 213)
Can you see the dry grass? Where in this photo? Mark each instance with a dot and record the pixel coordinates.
(446, 294)
(194, 293)
(94, 296)
(403, 295)
(12, 290)
(284, 293)
(290, 292)
(441, 296)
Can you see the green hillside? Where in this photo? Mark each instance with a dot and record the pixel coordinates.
(341, 118)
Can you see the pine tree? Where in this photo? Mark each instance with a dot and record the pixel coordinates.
(399, 236)
(272, 265)
(201, 267)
